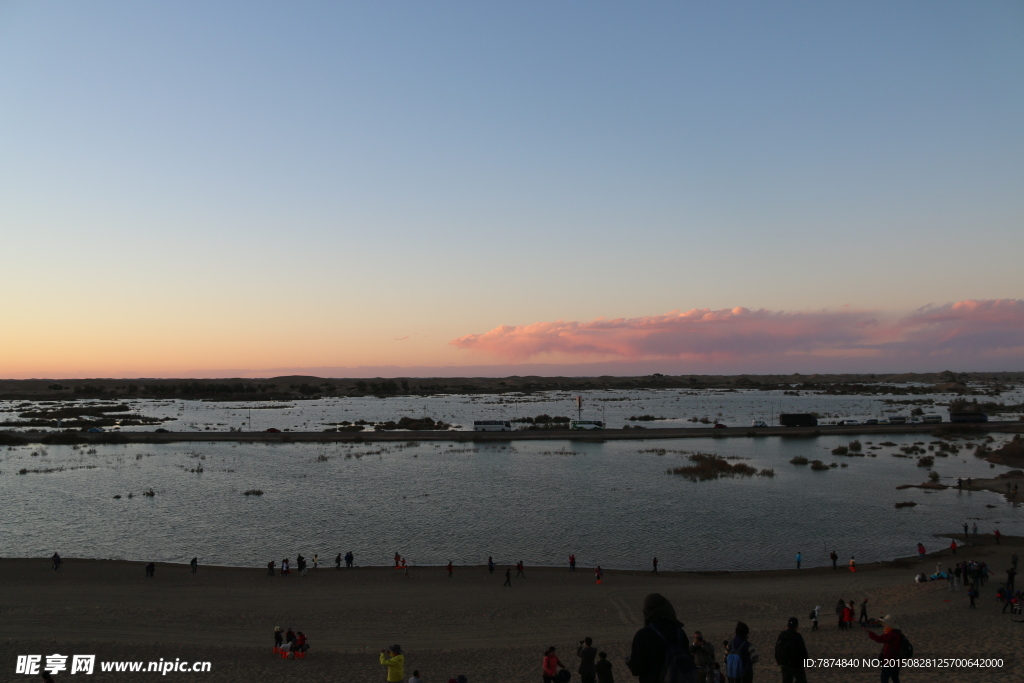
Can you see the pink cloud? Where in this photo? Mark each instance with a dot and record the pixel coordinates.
(981, 328)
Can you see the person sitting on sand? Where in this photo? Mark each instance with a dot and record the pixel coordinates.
(551, 665)
(394, 660)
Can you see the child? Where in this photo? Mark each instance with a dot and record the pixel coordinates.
(604, 669)
(416, 677)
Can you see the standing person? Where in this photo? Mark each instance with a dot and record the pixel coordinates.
(655, 563)
(996, 532)
(920, 551)
(572, 563)
(864, 612)
(194, 564)
(551, 665)
(703, 657)
(853, 564)
(1011, 574)
(490, 565)
(508, 578)
(832, 556)
(848, 613)
(285, 568)
(604, 669)
(337, 561)
(661, 627)
(278, 639)
(394, 660)
(349, 559)
(972, 593)
(398, 559)
(316, 560)
(598, 574)
(449, 568)
(790, 653)
(587, 654)
(891, 639)
(300, 564)
(519, 570)
(270, 568)
(975, 529)
(739, 665)
(57, 562)
(814, 617)
(151, 569)
(965, 532)
(840, 608)
(952, 546)
(799, 557)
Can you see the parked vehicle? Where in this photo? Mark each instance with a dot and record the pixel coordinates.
(931, 419)
(847, 422)
(492, 426)
(586, 424)
(871, 421)
(719, 425)
(758, 423)
(798, 420)
(898, 420)
(274, 430)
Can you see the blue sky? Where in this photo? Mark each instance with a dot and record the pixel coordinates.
(372, 171)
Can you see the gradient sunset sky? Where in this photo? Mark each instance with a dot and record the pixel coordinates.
(557, 187)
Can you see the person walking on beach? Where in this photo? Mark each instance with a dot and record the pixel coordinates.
(394, 660)
(1011, 574)
(891, 640)
(587, 654)
(655, 563)
(598, 574)
(449, 568)
(920, 552)
(150, 569)
(952, 546)
(519, 569)
(814, 617)
(398, 558)
(316, 560)
(790, 653)
(572, 563)
(835, 558)
(739, 665)
(349, 559)
(603, 668)
(661, 627)
(972, 593)
(57, 562)
(285, 568)
(270, 568)
(337, 561)
(551, 665)
(996, 532)
(853, 564)
(508, 578)
(799, 557)
(490, 565)
(864, 612)
(194, 564)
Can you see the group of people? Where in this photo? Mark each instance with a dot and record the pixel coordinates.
(845, 612)
(289, 642)
(594, 666)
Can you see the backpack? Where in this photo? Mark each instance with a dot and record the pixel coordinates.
(813, 616)
(906, 650)
(734, 666)
(678, 666)
(786, 651)
(563, 676)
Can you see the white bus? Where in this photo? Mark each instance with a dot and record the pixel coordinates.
(931, 419)
(492, 426)
(586, 424)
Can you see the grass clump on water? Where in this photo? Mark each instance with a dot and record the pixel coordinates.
(253, 492)
(708, 466)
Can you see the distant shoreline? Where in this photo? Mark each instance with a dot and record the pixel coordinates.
(123, 437)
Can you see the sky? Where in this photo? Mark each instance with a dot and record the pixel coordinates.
(397, 188)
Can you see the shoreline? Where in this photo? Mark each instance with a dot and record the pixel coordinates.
(11, 437)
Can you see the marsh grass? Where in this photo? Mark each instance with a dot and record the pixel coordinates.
(818, 465)
(253, 492)
(799, 460)
(905, 504)
(708, 466)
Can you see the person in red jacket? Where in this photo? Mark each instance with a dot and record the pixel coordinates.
(551, 665)
(890, 639)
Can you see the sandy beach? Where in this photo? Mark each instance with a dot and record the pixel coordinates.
(471, 624)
